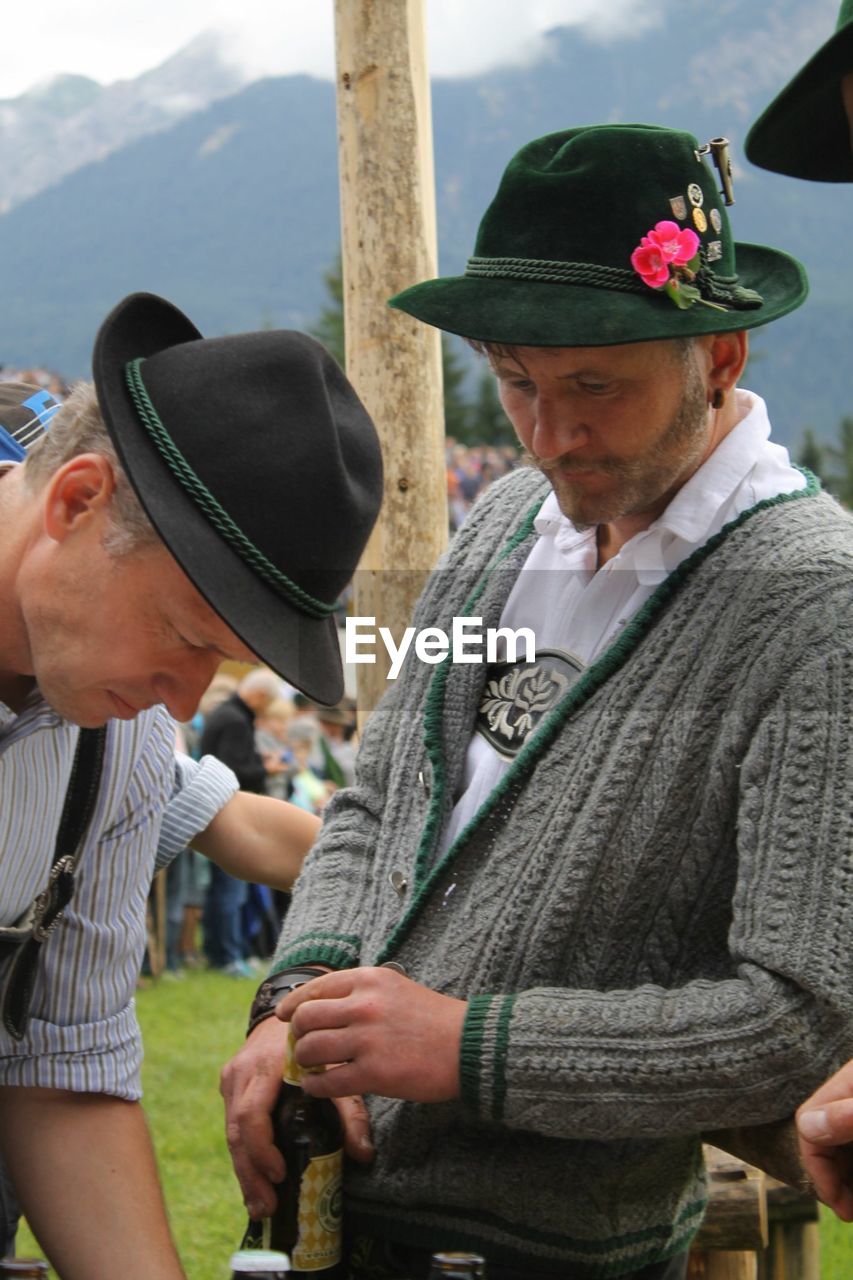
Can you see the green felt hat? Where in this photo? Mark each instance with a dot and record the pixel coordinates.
(805, 131)
(552, 265)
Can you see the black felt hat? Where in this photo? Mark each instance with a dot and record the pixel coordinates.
(556, 260)
(805, 132)
(259, 468)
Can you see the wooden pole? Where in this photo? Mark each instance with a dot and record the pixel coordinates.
(389, 242)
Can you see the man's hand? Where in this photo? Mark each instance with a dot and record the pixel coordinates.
(825, 1126)
(377, 1032)
(250, 1084)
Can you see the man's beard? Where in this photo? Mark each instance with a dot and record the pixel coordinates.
(639, 482)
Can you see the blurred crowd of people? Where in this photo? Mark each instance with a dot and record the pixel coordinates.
(470, 470)
(47, 379)
(279, 743)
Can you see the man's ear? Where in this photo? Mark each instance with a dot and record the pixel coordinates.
(78, 492)
(728, 354)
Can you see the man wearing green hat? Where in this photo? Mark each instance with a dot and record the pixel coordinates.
(807, 132)
(584, 904)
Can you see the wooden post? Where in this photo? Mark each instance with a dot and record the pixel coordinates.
(721, 1264)
(389, 242)
(794, 1250)
(734, 1232)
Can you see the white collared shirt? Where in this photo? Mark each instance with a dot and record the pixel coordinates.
(577, 609)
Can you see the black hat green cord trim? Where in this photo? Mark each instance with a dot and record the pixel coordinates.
(203, 498)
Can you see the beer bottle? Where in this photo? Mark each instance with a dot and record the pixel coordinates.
(459, 1266)
(259, 1264)
(307, 1221)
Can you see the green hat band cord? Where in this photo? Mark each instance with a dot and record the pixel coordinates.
(726, 291)
(204, 499)
(540, 271)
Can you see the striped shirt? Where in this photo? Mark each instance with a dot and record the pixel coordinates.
(83, 1033)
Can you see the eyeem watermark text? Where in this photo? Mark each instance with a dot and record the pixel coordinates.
(467, 642)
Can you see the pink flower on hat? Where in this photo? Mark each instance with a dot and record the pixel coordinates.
(678, 244)
(649, 261)
(665, 244)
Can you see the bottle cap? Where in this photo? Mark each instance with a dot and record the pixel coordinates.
(263, 1260)
(458, 1264)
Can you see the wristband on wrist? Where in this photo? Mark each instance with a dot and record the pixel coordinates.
(276, 987)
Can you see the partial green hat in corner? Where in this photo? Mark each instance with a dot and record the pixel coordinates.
(805, 132)
(604, 235)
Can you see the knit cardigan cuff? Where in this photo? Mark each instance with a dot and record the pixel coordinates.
(483, 1052)
(337, 950)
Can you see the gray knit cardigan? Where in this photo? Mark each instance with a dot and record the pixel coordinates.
(651, 916)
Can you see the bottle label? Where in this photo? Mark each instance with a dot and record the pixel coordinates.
(320, 1203)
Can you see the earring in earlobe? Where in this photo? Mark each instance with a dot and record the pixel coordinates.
(718, 398)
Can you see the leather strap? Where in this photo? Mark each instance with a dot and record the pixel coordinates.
(21, 956)
(276, 987)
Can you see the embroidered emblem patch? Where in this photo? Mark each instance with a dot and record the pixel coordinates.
(517, 697)
(678, 205)
(713, 251)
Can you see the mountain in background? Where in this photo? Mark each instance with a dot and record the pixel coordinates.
(232, 212)
(57, 127)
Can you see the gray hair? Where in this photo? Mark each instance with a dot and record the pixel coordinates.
(76, 428)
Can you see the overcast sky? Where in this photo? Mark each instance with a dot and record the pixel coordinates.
(118, 39)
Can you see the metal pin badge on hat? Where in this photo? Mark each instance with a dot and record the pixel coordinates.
(718, 150)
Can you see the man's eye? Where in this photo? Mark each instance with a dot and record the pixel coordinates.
(596, 388)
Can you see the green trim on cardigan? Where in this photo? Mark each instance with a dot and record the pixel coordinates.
(471, 1048)
(501, 1047)
(588, 683)
(433, 712)
(339, 950)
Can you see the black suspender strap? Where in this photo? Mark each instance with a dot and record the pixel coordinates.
(19, 954)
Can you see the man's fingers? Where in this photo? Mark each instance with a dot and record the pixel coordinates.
(830, 1124)
(256, 1185)
(335, 1082)
(358, 1143)
(249, 1086)
(326, 1048)
(331, 986)
(828, 1176)
(320, 1015)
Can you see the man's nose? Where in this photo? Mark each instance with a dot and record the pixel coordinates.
(558, 429)
(181, 686)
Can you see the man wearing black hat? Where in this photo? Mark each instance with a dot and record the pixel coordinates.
(163, 523)
(807, 132)
(583, 907)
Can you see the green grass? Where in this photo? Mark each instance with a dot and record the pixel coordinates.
(190, 1029)
(836, 1247)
